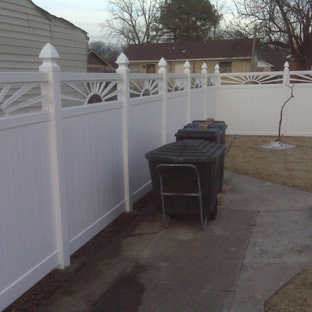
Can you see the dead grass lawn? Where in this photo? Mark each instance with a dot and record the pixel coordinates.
(292, 168)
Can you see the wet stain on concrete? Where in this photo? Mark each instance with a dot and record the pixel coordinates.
(125, 294)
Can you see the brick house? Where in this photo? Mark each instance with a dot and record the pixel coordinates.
(231, 55)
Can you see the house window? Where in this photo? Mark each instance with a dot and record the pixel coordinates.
(225, 67)
(134, 68)
(179, 68)
(150, 69)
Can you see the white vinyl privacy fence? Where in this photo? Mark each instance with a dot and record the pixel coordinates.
(72, 147)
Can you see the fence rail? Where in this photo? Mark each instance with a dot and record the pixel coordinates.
(73, 147)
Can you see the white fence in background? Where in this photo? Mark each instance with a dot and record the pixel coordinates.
(72, 147)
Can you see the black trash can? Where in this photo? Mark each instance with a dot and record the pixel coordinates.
(215, 123)
(176, 169)
(198, 126)
(212, 134)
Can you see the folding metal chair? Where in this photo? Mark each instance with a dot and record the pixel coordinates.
(168, 193)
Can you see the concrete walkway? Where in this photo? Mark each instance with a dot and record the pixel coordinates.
(260, 239)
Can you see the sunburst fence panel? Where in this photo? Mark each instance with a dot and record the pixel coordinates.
(252, 78)
(90, 89)
(176, 83)
(27, 94)
(197, 81)
(145, 85)
(300, 77)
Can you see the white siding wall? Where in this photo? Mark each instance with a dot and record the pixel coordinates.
(25, 29)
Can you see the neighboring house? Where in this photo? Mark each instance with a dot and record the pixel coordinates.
(292, 63)
(231, 55)
(97, 64)
(25, 28)
(263, 66)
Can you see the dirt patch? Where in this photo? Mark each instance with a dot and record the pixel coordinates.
(291, 168)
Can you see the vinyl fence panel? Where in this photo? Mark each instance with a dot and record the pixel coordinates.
(73, 147)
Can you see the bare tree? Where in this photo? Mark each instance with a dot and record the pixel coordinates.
(219, 28)
(284, 24)
(133, 21)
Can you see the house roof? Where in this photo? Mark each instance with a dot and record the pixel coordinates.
(264, 64)
(50, 17)
(96, 61)
(98, 57)
(214, 49)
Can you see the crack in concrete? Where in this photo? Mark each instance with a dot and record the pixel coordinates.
(253, 224)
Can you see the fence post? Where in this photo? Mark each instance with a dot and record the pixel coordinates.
(54, 104)
(204, 86)
(286, 74)
(218, 77)
(124, 86)
(164, 90)
(218, 87)
(187, 70)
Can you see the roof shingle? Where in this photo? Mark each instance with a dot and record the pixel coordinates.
(190, 50)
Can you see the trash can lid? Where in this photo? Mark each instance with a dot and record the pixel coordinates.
(210, 132)
(218, 123)
(196, 126)
(187, 151)
(204, 121)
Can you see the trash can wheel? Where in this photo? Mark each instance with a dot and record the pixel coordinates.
(214, 213)
(166, 220)
(204, 223)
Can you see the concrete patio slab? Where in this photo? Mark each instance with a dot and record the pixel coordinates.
(248, 193)
(279, 247)
(261, 238)
(183, 267)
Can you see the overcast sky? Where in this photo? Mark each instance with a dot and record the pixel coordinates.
(85, 14)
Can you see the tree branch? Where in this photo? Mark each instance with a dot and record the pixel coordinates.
(281, 113)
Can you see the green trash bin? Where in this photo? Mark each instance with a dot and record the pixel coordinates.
(181, 181)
